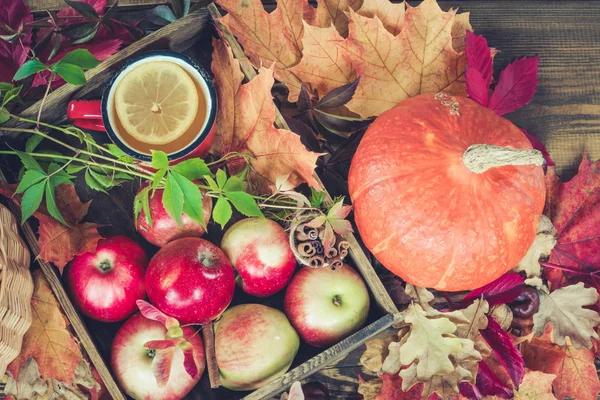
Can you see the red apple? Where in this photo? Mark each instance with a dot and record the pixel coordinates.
(165, 229)
(132, 362)
(106, 284)
(260, 252)
(254, 344)
(190, 279)
(325, 305)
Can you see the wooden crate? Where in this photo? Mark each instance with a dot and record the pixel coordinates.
(181, 36)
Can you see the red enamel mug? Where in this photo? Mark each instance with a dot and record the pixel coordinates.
(99, 115)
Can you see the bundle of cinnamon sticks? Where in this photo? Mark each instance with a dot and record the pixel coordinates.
(308, 247)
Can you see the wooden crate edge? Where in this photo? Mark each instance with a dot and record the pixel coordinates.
(383, 299)
(321, 360)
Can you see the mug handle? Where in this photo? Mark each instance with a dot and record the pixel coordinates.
(86, 114)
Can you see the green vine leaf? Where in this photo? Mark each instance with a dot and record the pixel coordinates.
(221, 178)
(92, 182)
(32, 198)
(28, 161)
(244, 203)
(157, 179)
(192, 197)
(142, 202)
(70, 73)
(81, 58)
(316, 198)
(29, 68)
(30, 178)
(173, 199)
(192, 169)
(51, 205)
(222, 212)
(234, 184)
(33, 142)
(159, 160)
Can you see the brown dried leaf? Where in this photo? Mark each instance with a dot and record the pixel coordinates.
(421, 59)
(331, 12)
(322, 64)
(543, 244)
(269, 39)
(564, 310)
(369, 389)
(375, 353)
(536, 385)
(274, 152)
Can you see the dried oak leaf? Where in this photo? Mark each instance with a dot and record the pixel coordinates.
(576, 375)
(48, 340)
(421, 59)
(59, 243)
(322, 64)
(375, 353)
(564, 310)
(433, 347)
(541, 247)
(245, 125)
(536, 385)
(574, 208)
(269, 39)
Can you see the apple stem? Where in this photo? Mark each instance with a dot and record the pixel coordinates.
(105, 266)
(337, 300)
(151, 353)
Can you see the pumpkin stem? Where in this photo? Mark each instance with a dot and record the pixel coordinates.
(481, 157)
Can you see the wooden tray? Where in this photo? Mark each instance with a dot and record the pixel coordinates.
(182, 36)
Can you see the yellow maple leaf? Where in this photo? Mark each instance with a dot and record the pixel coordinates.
(421, 59)
(331, 12)
(245, 125)
(322, 64)
(269, 39)
(48, 341)
(390, 14)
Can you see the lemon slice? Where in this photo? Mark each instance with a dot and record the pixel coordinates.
(156, 102)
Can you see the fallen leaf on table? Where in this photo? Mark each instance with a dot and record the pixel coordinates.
(49, 354)
(269, 39)
(421, 59)
(574, 208)
(376, 352)
(542, 246)
(564, 310)
(59, 243)
(516, 86)
(245, 125)
(390, 14)
(536, 386)
(322, 64)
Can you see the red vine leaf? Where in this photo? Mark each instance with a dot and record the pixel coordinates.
(509, 356)
(516, 86)
(479, 56)
(501, 291)
(539, 146)
(392, 389)
(477, 88)
(14, 15)
(574, 208)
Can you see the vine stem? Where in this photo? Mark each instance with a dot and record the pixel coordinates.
(86, 162)
(39, 116)
(563, 268)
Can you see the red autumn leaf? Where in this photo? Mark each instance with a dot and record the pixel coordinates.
(14, 14)
(479, 56)
(501, 291)
(59, 243)
(516, 86)
(539, 146)
(392, 389)
(477, 88)
(574, 209)
(509, 356)
(487, 384)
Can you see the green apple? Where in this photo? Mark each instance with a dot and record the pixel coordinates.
(254, 344)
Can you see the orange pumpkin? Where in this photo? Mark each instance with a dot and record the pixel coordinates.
(446, 193)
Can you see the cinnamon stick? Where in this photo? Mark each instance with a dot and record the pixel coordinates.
(335, 262)
(306, 249)
(343, 247)
(316, 261)
(208, 335)
(331, 252)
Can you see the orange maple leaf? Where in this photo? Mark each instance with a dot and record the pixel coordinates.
(574, 369)
(322, 64)
(48, 341)
(391, 15)
(536, 385)
(59, 243)
(421, 59)
(245, 125)
(269, 39)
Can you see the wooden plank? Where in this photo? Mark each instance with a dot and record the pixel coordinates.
(81, 332)
(177, 36)
(328, 357)
(356, 253)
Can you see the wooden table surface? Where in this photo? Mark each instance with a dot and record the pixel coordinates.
(565, 112)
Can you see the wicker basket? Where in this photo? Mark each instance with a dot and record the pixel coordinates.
(16, 288)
